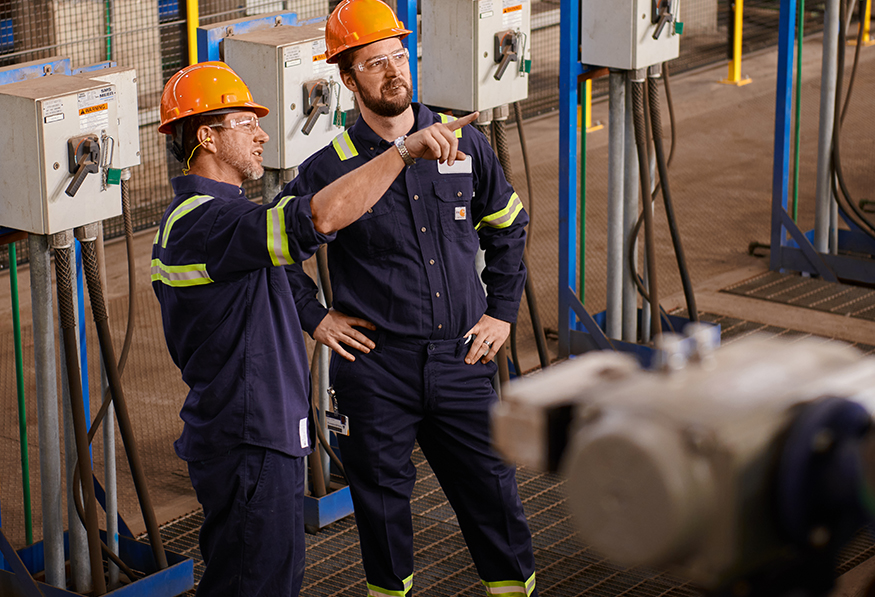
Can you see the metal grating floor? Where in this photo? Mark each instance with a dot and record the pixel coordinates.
(812, 293)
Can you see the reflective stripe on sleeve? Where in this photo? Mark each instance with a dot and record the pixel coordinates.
(185, 207)
(375, 591)
(505, 217)
(179, 276)
(277, 235)
(510, 588)
(344, 147)
(446, 118)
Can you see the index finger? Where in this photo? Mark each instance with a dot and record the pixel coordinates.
(454, 125)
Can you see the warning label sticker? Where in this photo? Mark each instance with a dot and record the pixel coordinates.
(291, 56)
(320, 62)
(53, 111)
(512, 14)
(94, 108)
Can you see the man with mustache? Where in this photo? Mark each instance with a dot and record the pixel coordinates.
(219, 270)
(413, 331)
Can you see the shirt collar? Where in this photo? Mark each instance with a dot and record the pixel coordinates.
(371, 143)
(198, 185)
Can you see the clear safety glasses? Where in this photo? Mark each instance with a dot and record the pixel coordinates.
(245, 124)
(378, 64)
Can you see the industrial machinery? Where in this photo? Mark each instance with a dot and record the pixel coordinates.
(475, 55)
(286, 69)
(72, 141)
(744, 468)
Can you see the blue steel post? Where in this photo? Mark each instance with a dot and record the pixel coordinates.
(783, 97)
(569, 70)
(407, 15)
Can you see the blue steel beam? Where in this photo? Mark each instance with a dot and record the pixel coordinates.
(55, 65)
(569, 70)
(783, 98)
(407, 15)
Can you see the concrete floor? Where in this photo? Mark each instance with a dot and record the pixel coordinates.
(721, 181)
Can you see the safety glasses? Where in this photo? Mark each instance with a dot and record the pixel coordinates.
(245, 124)
(378, 64)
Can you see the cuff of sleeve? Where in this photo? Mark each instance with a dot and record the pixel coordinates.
(503, 310)
(306, 222)
(311, 315)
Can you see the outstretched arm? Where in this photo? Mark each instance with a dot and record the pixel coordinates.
(344, 201)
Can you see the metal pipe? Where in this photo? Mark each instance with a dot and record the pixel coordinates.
(78, 539)
(616, 146)
(829, 75)
(271, 184)
(630, 217)
(19, 385)
(47, 409)
(192, 21)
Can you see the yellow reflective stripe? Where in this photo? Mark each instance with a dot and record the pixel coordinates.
(344, 147)
(505, 217)
(277, 235)
(184, 208)
(178, 276)
(446, 118)
(375, 591)
(510, 588)
(157, 236)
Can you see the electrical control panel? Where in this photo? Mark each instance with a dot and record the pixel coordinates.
(476, 54)
(629, 34)
(126, 150)
(286, 70)
(54, 163)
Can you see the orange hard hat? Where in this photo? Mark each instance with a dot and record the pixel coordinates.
(201, 88)
(356, 23)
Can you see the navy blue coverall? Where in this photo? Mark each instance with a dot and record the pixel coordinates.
(408, 266)
(219, 270)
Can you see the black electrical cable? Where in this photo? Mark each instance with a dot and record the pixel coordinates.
(856, 60)
(656, 128)
(855, 213)
(63, 273)
(101, 319)
(314, 459)
(671, 117)
(531, 295)
(647, 203)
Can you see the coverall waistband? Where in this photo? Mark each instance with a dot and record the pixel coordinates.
(385, 339)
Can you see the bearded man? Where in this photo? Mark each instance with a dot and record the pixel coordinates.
(413, 331)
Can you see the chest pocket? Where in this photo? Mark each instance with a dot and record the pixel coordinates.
(376, 232)
(454, 205)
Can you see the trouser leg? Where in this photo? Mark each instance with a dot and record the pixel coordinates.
(252, 539)
(455, 438)
(375, 393)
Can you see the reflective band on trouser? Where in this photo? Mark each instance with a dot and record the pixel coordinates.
(344, 147)
(375, 591)
(277, 235)
(184, 208)
(505, 217)
(180, 275)
(446, 118)
(510, 588)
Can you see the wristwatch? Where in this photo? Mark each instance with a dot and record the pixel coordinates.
(402, 149)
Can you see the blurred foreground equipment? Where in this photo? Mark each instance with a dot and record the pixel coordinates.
(745, 469)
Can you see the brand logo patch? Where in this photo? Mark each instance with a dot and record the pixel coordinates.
(461, 214)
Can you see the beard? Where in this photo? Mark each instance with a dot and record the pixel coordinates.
(388, 108)
(247, 167)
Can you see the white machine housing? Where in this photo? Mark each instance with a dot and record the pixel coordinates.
(459, 53)
(42, 115)
(126, 152)
(619, 34)
(277, 64)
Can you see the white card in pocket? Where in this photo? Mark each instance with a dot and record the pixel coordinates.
(459, 167)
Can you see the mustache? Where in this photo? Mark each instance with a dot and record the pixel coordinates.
(396, 82)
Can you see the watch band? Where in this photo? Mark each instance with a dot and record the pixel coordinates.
(402, 149)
